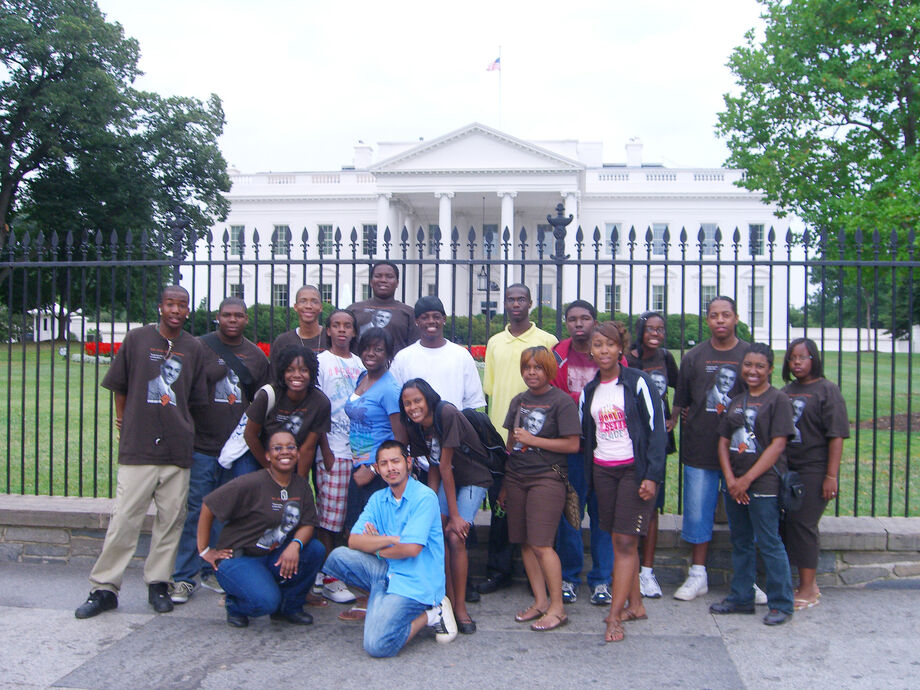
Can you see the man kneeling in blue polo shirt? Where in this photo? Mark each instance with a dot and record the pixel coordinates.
(396, 553)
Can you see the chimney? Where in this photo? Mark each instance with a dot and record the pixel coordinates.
(364, 156)
(634, 153)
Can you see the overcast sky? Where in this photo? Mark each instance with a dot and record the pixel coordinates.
(301, 81)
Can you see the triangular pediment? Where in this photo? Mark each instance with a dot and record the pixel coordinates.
(475, 148)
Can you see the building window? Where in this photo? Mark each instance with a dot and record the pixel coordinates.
(369, 239)
(545, 294)
(434, 244)
(280, 295)
(236, 290)
(544, 237)
(707, 294)
(432, 290)
(490, 239)
(281, 240)
(755, 300)
(658, 298)
(365, 291)
(755, 234)
(612, 298)
(658, 230)
(607, 239)
(236, 239)
(709, 239)
(326, 239)
(325, 292)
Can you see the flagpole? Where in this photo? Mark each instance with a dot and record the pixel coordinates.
(499, 87)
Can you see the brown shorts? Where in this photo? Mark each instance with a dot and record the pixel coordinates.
(619, 508)
(534, 505)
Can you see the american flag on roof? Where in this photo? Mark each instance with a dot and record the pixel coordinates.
(496, 64)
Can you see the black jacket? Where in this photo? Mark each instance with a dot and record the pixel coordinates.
(644, 421)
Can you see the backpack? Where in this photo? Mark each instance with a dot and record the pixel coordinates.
(496, 454)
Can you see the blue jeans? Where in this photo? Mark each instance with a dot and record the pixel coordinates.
(756, 526)
(701, 493)
(255, 587)
(569, 544)
(206, 475)
(389, 616)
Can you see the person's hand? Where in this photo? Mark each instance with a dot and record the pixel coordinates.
(737, 489)
(328, 460)
(458, 525)
(829, 488)
(647, 489)
(364, 475)
(289, 560)
(684, 414)
(669, 424)
(214, 555)
(522, 436)
(502, 496)
(118, 423)
(370, 529)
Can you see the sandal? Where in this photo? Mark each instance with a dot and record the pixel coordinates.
(316, 600)
(355, 613)
(628, 616)
(800, 604)
(531, 613)
(541, 626)
(614, 633)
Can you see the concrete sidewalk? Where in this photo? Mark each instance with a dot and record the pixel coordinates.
(866, 638)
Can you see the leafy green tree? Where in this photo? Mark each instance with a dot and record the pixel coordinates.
(825, 122)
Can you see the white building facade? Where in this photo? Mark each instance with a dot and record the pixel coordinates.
(477, 177)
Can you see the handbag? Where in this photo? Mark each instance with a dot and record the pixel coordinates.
(572, 508)
(235, 446)
(791, 490)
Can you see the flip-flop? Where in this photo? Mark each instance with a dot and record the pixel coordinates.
(540, 626)
(355, 613)
(316, 600)
(531, 613)
(800, 604)
(617, 634)
(629, 616)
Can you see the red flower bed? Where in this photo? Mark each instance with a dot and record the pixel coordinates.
(265, 347)
(103, 349)
(478, 352)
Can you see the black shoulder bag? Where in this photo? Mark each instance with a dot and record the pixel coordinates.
(213, 341)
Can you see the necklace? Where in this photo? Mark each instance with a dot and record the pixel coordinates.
(284, 492)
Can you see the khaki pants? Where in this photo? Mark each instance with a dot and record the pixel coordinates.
(167, 486)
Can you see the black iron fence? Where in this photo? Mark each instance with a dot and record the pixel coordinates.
(67, 300)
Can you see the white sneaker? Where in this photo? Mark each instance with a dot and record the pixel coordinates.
(601, 595)
(694, 586)
(180, 592)
(760, 597)
(648, 585)
(337, 591)
(318, 584)
(210, 582)
(445, 627)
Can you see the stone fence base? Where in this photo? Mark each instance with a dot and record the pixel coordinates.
(41, 529)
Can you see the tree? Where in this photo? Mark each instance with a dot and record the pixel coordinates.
(826, 125)
(82, 151)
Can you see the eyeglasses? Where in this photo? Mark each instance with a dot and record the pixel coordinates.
(656, 330)
(292, 448)
(799, 358)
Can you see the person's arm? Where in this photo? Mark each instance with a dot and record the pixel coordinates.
(831, 482)
(370, 541)
(205, 522)
(251, 434)
(399, 431)
(307, 454)
(328, 455)
(289, 560)
(120, 400)
(454, 522)
(735, 490)
(766, 460)
(563, 444)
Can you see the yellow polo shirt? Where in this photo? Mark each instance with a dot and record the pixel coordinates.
(502, 378)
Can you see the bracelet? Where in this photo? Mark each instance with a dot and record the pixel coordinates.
(202, 553)
(297, 541)
(378, 555)
(830, 476)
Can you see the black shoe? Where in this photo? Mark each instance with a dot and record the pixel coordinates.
(237, 620)
(99, 600)
(776, 617)
(726, 606)
(158, 596)
(494, 583)
(466, 627)
(472, 594)
(295, 617)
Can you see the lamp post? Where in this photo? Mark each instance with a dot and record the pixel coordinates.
(559, 223)
(178, 224)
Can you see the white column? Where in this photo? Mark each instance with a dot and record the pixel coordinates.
(569, 288)
(383, 218)
(444, 214)
(507, 213)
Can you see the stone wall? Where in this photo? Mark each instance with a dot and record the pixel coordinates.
(854, 550)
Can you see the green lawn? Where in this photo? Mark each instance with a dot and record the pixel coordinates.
(40, 421)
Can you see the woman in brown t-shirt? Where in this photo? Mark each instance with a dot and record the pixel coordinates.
(543, 427)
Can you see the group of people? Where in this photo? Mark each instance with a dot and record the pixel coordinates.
(371, 408)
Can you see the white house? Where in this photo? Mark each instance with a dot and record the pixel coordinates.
(479, 177)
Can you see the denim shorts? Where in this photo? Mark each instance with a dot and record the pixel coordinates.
(701, 493)
(469, 501)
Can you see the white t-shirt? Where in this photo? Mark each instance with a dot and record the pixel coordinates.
(614, 446)
(337, 378)
(449, 369)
